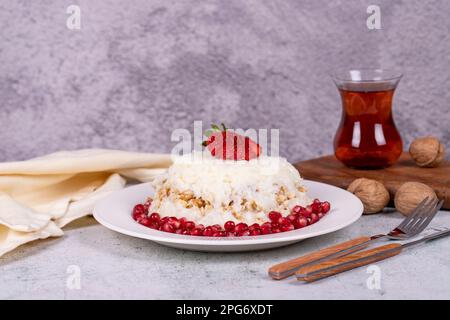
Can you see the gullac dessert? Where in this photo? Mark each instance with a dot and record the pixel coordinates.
(230, 189)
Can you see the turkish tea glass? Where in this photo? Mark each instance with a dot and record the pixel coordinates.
(367, 136)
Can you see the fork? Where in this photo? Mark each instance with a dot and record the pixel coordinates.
(411, 226)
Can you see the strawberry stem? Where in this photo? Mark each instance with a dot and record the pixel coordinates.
(215, 127)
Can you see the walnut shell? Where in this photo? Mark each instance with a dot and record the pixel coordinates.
(372, 194)
(427, 152)
(410, 194)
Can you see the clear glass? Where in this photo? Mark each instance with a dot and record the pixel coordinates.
(367, 136)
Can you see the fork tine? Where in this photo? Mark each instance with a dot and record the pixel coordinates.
(425, 212)
(413, 214)
(425, 208)
(420, 226)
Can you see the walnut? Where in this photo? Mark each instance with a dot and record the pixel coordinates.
(186, 195)
(255, 206)
(236, 215)
(199, 202)
(410, 194)
(372, 194)
(281, 196)
(427, 152)
(183, 203)
(280, 199)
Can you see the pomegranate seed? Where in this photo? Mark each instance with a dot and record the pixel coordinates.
(255, 232)
(138, 211)
(186, 232)
(314, 218)
(219, 234)
(254, 226)
(164, 220)
(140, 217)
(168, 227)
(266, 224)
(276, 230)
(243, 233)
(174, 222)
(266, 228)
(229, 226)
(189, 225)
(275, 225)
(139, 208)
(301, 222)
(287, 226)
(208, 232)
(274, 215)
(196, 232)
(282, 220)
(154, 225)
(297, 209)
(307, 212)
(316, 207)
(201, 227)
(292, 218)
(179, 231)
(155, 217)
(325, 207)
(301, 211)
(320, 215)
(182, 222)
(241, 227)
(145, 221)
(316, 201)
(147, 204)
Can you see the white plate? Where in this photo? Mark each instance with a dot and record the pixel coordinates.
(114, 212)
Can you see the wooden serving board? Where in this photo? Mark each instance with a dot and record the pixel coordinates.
(329, 170)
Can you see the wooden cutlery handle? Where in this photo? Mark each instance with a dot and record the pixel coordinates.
(288, 268)
(341, 264)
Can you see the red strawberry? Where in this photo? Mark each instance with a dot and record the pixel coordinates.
(228, 145)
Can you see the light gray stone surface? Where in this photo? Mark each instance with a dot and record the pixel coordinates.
(115, 266)
(137, 70)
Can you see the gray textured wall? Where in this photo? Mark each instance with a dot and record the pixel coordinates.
(137, 69)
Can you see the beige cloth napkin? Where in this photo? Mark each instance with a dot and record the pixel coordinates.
(40, 196)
